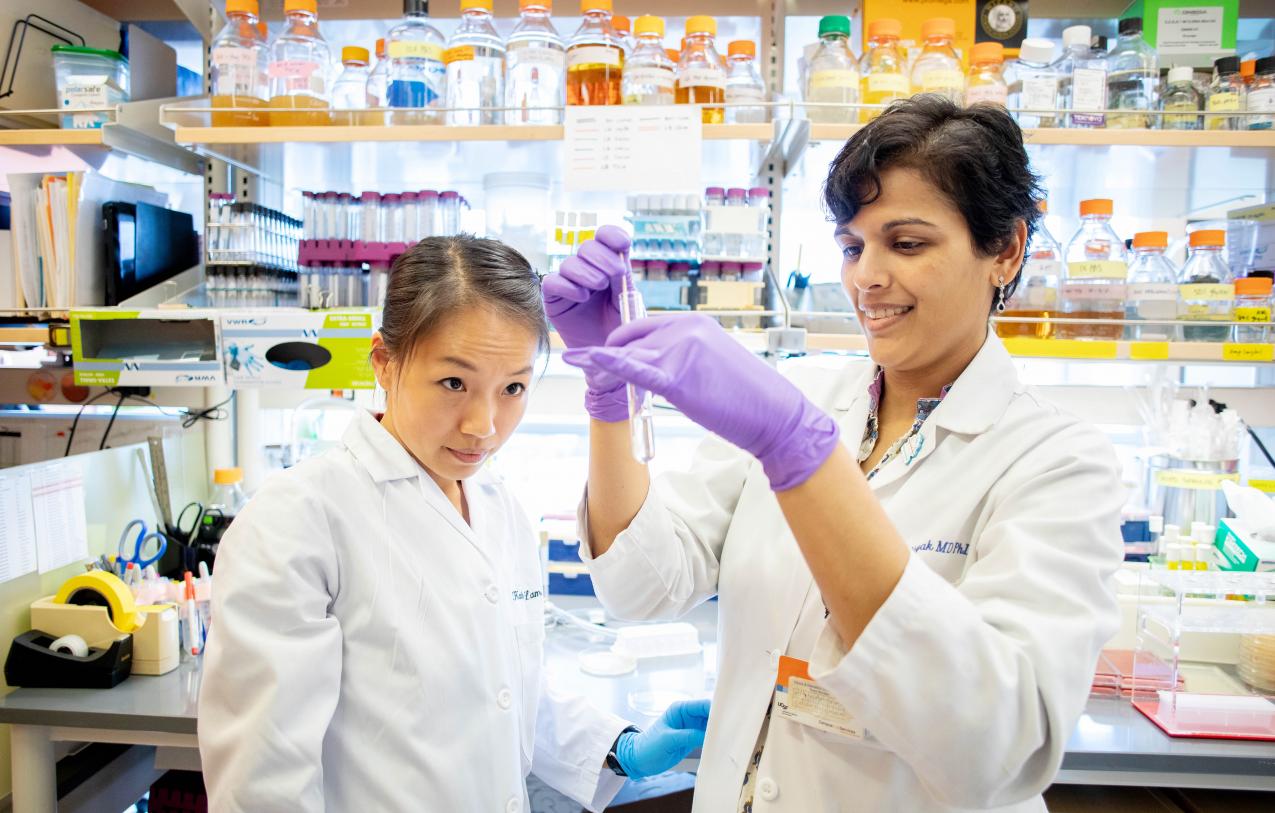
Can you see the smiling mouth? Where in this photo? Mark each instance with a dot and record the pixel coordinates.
(888, 312)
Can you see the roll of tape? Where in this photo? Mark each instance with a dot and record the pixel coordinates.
(73, 644)
(97, 587)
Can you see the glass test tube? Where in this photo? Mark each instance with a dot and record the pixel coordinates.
(641, 413)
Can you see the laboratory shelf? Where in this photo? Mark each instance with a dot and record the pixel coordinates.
(1223, 618)
(1214, 582)
(348, 134)
(1237, 139)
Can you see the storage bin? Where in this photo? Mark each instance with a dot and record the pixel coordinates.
(89, 78)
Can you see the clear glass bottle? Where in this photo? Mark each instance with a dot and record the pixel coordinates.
(299, 64)
(595, 58)
(475, 60)
(1036, 295)
(649, 76)
(1226, 95)
(417, 75)
(237, 64)
(883, 68)
(833, 76)
(349, 91)
(1261, 96)
(1152, 293)
(1181, 101)
(744, 85)
(535, 67)
(986, 82)
(624, 30)
(1097, 268)
(377, 87)
(1253, 308)
(1134, 79)
(701, 75)
(1034, 85)
(1206, 291)
(1084, 79)
(938, 69)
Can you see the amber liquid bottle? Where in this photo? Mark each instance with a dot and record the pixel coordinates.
(701, 74)
(595, 58)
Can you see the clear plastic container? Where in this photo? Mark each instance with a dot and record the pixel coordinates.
(426, 212)
(595, 58)
(1253, 308)
(755, 244)
(227, 496)
(475, 59)
(448, 213)
(417, 75)
(89, 78)
(1206, 292)
(1226, 95)
(370, 217)
(1034, 85)
(744, 85)
(378, 85)
(1134, 79)
(535, 67)
(411, 214)
(1036, 295)
(884, 67)
(701, 75)
(938, 69)
(986, 82)
(349, 92)
(833, 76)
(237, 67)
(1096, 273)
(300, 94)
(392, 218)
(1152, 292)
(1181, 101)
(1084, 72)
(1261, 95)
(649, 76)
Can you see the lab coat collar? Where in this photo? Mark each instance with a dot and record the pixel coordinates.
(378, 451)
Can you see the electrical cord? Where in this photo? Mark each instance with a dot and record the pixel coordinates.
(190, 417)
(75, 423)
(111, 423)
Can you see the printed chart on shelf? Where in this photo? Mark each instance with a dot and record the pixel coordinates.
(634, 149)
(17, 531)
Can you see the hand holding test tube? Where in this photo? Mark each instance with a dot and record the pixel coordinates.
(641, 413)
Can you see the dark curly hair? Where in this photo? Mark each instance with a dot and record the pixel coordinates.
(973, 155)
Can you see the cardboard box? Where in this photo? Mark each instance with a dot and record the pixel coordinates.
(913, 14)
(145, 348)
(1241, 550)
(1188, 32)
(325, 350)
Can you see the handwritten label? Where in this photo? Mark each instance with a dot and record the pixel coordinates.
(1192, 479)
(1097, 269)
(1207, 292)
(1252, 314)
(415, 50)
(633, 148)
(1248, 352)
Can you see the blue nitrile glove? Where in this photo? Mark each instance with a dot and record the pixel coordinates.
(677, 733)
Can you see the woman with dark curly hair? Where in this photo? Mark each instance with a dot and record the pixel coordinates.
(914, 556)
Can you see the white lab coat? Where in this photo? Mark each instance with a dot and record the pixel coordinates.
(972, 674)
(372, 652)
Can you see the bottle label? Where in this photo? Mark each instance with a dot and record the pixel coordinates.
(647, 75)
(1224, 102)
(236, 71)
(606, 55)
(1252, 314)
(702, 78)
(1206, 292)
(1097, 269)
(1092, 291)
(745, 95)
(940, 80)
(402, 93)
(415, 50)
(822, 80)
(1040, 93)
(888, 83)
(292, 69)
(461, 53)
(536, 55)
(995, 94)
(1261, 101)
(1153, 292)
(1088, 92)
(1179, 121)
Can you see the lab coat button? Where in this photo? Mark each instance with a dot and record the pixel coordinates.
(768, 789)
(513, 805)
(493, 595)
(505, 698)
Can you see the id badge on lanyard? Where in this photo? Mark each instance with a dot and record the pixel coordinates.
(800, 699)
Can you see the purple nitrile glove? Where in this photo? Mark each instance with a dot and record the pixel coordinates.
(580, 301)
(678, 732)
(721, 386)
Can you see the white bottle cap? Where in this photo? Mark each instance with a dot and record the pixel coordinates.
(1077, 35)
(1203, 553)
(1039, 51)
(1172, 529)
(1178, 73)
(1173, 553)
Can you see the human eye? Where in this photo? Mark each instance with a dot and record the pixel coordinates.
(453, 384)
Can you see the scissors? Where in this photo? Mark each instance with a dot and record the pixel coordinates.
(202, 517)
(138, 556)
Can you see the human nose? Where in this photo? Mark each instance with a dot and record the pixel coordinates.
(870, 270)
(479, 418)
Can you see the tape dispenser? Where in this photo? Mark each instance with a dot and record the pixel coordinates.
(99, 607)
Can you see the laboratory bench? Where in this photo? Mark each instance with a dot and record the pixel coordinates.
(1113, 744)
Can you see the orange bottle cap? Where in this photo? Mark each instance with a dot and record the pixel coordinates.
(884, 28)
(465, 5)
(701, 25)
(594, 5)
(647, 24)
(621, 23)
(380, 48)
(243, 7)
(262, 30)
(311, 6)
(227, 477)
(354, 53)
(545, 4)
(741, 48)
(673, 54)
(1254, 286)
(1248, 68)
(987, 52)
(1151, 239)
(1206, 237)
(938, 27)
(1096, 206)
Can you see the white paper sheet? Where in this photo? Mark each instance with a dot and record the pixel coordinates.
(634, 148)
(17, 530)
(61, 530)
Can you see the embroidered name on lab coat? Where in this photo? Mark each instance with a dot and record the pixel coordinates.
(527, 595)
(941, 546)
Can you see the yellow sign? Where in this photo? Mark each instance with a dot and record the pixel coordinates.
(1248, 352)
(1060, 348)
(1149, 351)
(1190, 478)
(1252, 314)
(1266, 486)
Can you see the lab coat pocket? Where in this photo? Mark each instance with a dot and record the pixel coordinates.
(531, 645)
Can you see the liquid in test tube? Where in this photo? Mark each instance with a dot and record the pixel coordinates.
(641, 413)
